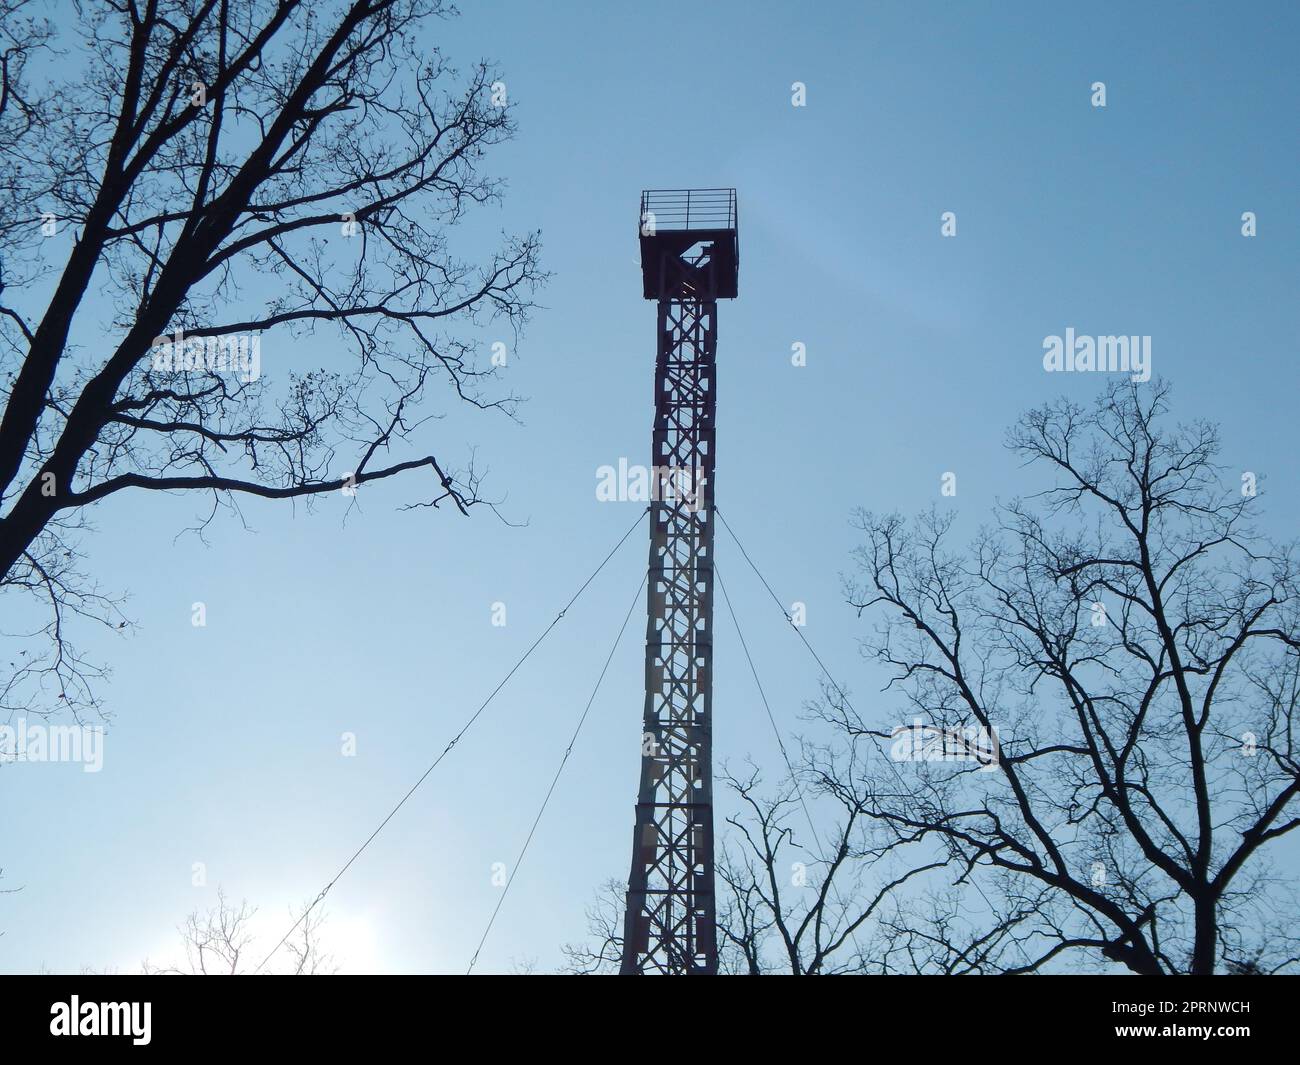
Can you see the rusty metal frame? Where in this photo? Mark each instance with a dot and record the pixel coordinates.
(670, 919)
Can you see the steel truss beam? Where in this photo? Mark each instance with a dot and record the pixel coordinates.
(669, 924)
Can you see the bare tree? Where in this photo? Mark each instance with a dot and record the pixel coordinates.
(599, 954)
(201, 188)
(789, 893)
(1128, 646)
(789, 906)
(218, 942)
(861, 901)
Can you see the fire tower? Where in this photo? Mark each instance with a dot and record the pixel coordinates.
(690, 258)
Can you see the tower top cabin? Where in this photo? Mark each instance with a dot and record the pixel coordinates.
(690, 244)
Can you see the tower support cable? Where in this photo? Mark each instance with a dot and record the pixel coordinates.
(780, 742)
(514, 869)
(454, 740)
(835, 684)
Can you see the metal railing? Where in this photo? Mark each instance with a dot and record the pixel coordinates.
(682, 209)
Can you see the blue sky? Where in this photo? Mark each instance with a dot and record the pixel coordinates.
(224, 747)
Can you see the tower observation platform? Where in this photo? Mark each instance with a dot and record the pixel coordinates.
(677, 225)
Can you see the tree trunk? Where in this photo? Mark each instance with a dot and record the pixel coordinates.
(1207, 938)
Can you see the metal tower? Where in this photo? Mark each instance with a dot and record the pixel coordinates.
(689, 260)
